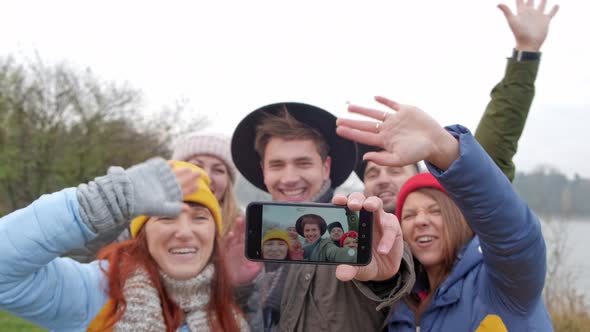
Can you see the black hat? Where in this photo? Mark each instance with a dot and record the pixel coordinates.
(361, 164)
(342, 151)
(335, 224)
(299, 226)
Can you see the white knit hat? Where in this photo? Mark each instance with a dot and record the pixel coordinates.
(216, 145)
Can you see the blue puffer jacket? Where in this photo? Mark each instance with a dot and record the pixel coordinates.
(58, 294)
(498, 278)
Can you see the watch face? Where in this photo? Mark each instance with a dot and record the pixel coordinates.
(525, 56)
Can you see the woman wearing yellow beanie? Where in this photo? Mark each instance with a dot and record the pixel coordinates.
(276, 245)
(169, 277)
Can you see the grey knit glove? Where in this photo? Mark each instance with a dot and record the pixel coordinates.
(149, 188)
(155, 189)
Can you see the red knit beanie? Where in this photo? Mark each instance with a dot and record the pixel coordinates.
(421, 180)
(351, 234)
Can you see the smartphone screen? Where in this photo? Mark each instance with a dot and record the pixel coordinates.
(308, 233)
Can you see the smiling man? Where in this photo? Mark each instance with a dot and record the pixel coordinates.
(292, 151)
(383, 181)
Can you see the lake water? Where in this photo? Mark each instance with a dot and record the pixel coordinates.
(573, 238)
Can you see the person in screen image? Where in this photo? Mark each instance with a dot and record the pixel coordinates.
(276, 245)
(312, 227)
(349, 240)
(335, 229)
(296, 244)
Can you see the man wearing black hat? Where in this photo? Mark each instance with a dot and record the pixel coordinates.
(292, 151)
(335, 229)
(312, 227)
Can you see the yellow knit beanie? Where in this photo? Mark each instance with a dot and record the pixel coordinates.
(202, 195)
(277, 234)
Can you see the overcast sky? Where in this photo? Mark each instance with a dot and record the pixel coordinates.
(229, 57)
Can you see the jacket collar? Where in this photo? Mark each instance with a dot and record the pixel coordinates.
(467, 259)
(450, 290)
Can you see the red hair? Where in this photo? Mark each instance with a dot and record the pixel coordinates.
(126, 257)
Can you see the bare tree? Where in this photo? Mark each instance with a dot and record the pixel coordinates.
(60, 126)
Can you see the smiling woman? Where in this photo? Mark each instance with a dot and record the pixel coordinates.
(211, 152)
(182, 246)
(168, 277)
(479, 252)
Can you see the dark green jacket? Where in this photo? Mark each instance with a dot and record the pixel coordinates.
(503, 121)
(327, 251)
(498, 132)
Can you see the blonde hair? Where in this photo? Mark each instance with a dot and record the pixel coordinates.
(230, 209)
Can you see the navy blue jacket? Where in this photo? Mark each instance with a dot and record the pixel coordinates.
(497, 281)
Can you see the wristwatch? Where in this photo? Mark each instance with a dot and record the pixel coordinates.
(519, 55)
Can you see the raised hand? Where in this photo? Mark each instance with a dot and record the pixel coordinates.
(241, 270)
(530, 25)
(408, 135)
(187, 179)
(387, 247)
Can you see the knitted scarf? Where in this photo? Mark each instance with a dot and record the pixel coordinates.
(144, 309)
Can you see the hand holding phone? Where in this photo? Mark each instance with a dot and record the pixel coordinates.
(387, 241)
(308, 233)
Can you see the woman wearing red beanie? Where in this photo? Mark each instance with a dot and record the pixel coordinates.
(479, 253)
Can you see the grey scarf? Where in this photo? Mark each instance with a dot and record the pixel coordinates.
(144, 309)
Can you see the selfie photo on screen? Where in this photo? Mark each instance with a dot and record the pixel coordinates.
(307, 233)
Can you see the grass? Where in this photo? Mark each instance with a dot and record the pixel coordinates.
(571, 322)
(11, 323)
(566, 305)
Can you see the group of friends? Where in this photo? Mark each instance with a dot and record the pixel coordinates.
(454, 248)
(278, 244)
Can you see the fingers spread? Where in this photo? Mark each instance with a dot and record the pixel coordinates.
(384, 158)
(507, 12)
(388, 102)
(360, 136)
(367, 126)
(542, 5)
(553, 11)
(370, 112)
(236, 235)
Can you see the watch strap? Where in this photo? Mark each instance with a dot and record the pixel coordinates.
(519, 55)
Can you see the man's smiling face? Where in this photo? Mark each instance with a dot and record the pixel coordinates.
(293, 169)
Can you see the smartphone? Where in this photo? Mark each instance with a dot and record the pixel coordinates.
(311, 233)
